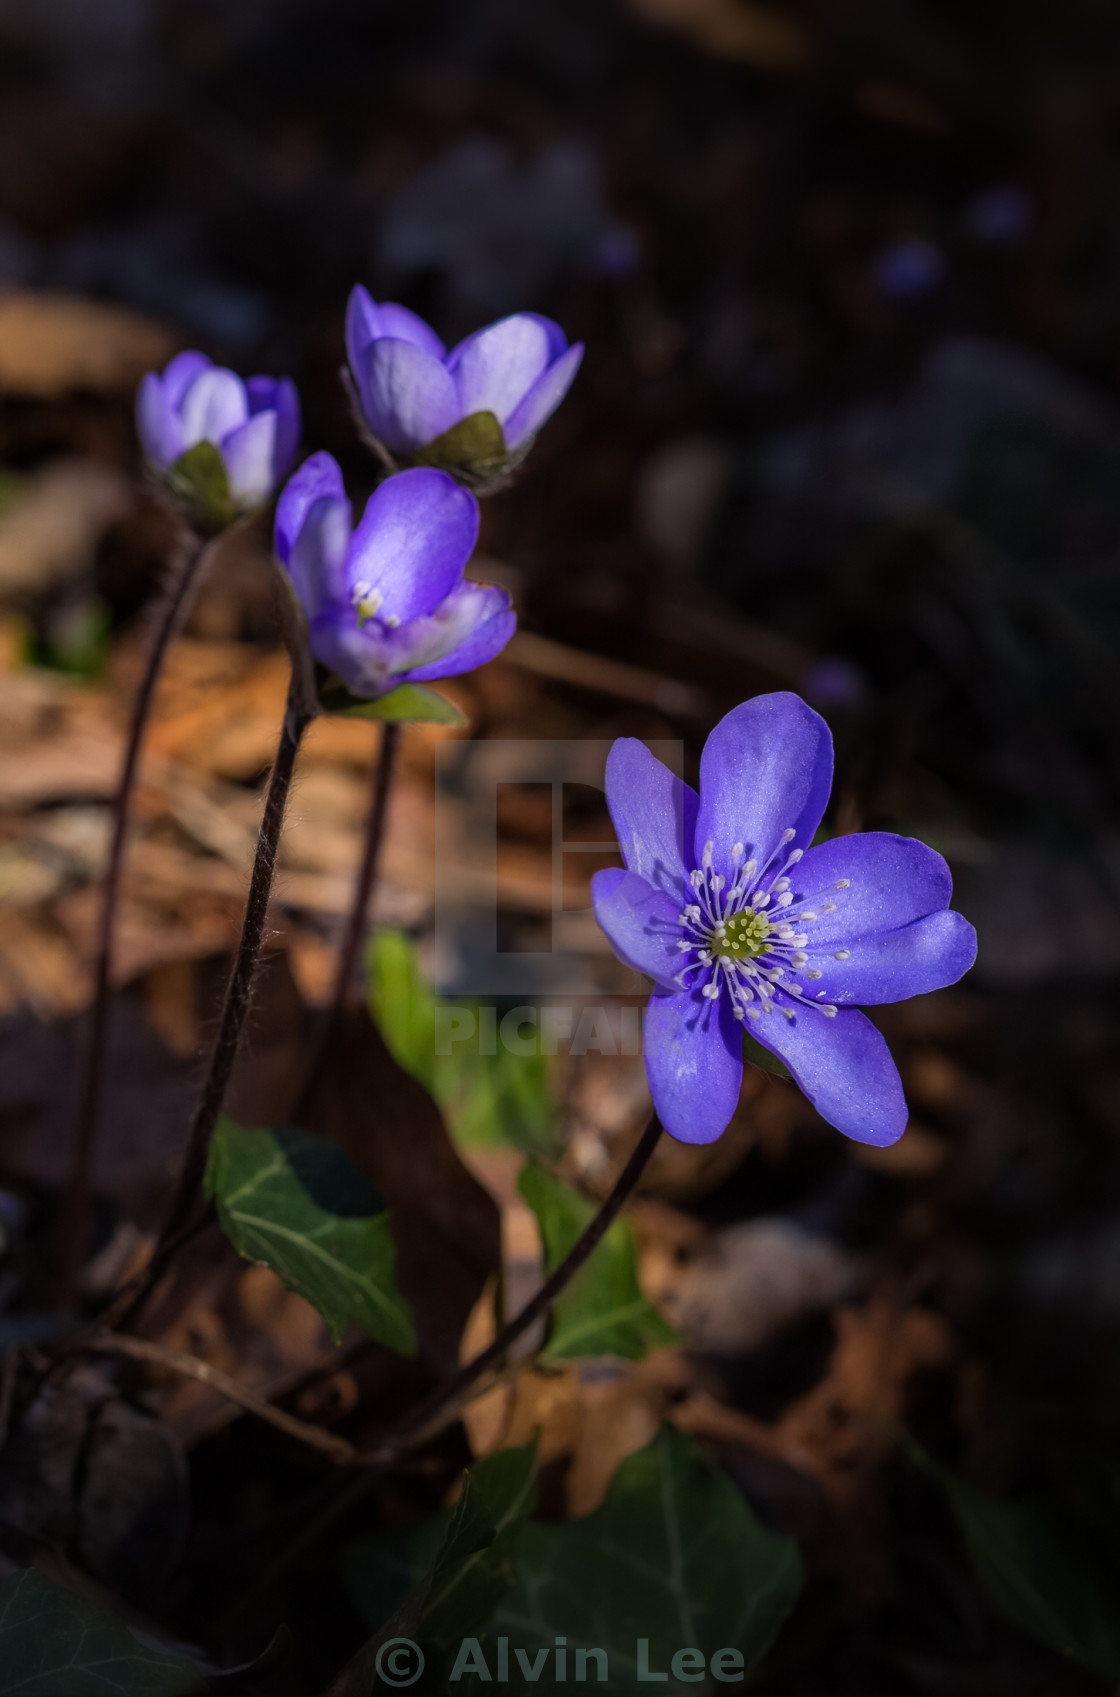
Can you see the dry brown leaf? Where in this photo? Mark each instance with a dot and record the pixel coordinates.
(39, 966)
(618, 1419)
(845, 1422)
(532, 1400)
(49, 531)
(52, 343)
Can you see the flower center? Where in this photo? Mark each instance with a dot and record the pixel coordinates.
(749, 936)
(741, 936)
(367, 601)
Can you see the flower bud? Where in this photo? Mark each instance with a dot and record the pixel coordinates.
(472, 412)
(222, 443)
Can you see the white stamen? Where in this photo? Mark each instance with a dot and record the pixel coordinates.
(843, 883)
(829, 1013)
(828, 907)
(706, 860)
(752, 1013)
(799, 959)
(814, 972)
(788, 834)
(842, 954)
(795, 856)
(788, 1012)
(782, 884)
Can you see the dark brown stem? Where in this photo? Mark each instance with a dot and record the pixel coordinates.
(359, 912)
(426, 1415)
(453, 1389)
(182, 581)
(239, 994)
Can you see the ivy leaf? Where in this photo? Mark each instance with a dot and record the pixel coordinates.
(1050, 1577)
(447, 1577)
(200, 480)
(55, 1644)
(490, 1101)
(475, 447)
(602, 1310)
(674, 1556)
(297, 1204)
(474, 1568)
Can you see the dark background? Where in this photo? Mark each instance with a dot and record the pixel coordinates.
(849, 279)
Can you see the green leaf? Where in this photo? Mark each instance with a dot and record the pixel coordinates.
(55, 1644)
(296, 1203)
(444, 1579)
(602, 1311)
(674, 1556)
(474, 1568)
(1040, 1571)
(200, 480)
(489, 1101)
(475, 446)
(402, 1005)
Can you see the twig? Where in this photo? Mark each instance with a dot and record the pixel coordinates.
(239, 992)
(190, 1367)
(183, 579)
(359, 912)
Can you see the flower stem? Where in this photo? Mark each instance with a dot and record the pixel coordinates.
(359, 912)
(239, 993)
(183, 578)
(452, 1389)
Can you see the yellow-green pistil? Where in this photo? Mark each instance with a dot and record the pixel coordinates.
(742, 936)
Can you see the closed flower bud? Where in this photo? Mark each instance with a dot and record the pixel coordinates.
(223, 443)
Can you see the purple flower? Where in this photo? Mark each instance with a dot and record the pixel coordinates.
(254, 423)
(386, 602)
(740, 923)
(411, 389)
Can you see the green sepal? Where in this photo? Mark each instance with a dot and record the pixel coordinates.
(200, 480)
(408, 704)
(754, 1052)
(475, 448)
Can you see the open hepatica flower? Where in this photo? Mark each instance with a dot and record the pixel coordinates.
(386, 601)
(224, 443)
(742, 925)
(475, 409)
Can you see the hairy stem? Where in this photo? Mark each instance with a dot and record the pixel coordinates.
(183, 578)
(359, 912)
(239, 994)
